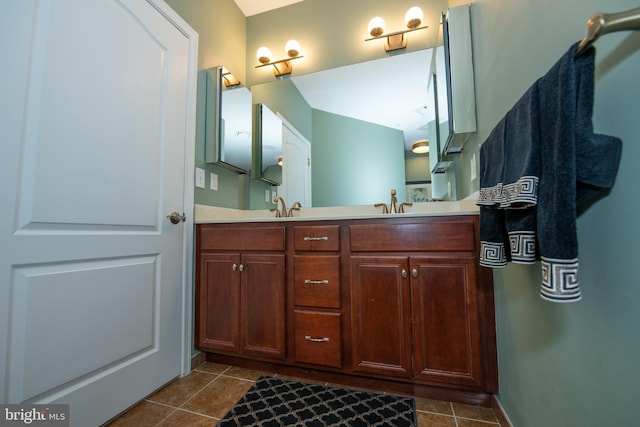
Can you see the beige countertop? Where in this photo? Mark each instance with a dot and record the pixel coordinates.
(211, 214)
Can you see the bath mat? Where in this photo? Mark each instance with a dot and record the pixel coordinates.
(276, 402)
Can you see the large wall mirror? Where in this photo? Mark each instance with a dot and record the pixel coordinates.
(228, 124)
(365, 118)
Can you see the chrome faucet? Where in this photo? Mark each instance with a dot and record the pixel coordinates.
(295, 207)
(393, 208)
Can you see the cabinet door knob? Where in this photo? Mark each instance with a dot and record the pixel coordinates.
(404, 273)
(234, 267)
(241, 268)
(414, 272)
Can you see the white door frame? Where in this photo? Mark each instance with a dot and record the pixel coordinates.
(189, 170)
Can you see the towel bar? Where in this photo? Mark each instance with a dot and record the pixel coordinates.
(603, 23)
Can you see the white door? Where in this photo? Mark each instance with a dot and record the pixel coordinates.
(296, 171)
(96, 115)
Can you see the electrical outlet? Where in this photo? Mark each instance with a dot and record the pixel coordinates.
(199, 178)
(273, 196)
(213, 183)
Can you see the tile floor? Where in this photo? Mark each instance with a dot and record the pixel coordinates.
(211, 390)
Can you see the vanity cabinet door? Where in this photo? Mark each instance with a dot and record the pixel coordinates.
(262, 296)
(446, 328)
(218, 299)
(381, 315)
(241, 304)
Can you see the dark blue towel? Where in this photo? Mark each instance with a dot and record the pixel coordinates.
(541, 165)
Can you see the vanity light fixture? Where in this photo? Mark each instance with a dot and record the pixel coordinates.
(420, 147)
(281, 67)
(228, 79)
(396, 40)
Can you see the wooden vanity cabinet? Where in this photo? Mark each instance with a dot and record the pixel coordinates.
(240, 290)
(398, 303)
(418, 314)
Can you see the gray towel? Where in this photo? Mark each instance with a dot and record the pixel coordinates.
(541, 165)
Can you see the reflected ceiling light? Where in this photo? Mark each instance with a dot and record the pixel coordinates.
(420, 147)
(281, 67)
(396, 40)
(279, 160)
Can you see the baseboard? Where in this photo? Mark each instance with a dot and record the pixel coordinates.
(197, 360)
(501, 414)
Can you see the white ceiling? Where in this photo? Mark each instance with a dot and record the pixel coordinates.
(396, 92)
(254, 7)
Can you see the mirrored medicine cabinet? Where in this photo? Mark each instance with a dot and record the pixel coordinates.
(267, 163)
(228, 121)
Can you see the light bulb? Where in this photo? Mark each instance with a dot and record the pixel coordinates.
(413, 17)
(376, 26)
(264, 55)
(292, 48)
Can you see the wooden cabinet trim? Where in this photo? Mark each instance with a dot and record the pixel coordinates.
(241, 238)
(408, 237)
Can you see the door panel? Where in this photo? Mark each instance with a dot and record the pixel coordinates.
(381, 323)
(219, 299)
(263, 305)
(91, 283)
(117, 295)
(296, 173)
(443, 293)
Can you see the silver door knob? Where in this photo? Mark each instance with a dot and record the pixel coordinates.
(175, 217)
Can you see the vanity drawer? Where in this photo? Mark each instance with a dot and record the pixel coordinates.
(317, 338)
(236, 238)
(317, 281)
(316, 238)
(456, 235)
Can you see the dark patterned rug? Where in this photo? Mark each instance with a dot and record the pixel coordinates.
(275, 402)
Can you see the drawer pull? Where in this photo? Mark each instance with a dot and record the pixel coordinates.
(310, 338)
(307, 238)
(316, 282)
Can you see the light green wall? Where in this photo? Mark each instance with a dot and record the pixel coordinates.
(573, 365)
(416, 167)
(282, 96)
(221, 27)
(337, 141)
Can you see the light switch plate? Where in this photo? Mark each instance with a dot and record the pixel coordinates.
(213, 183)
(273, 196)
(199, 178)
(267, 196)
